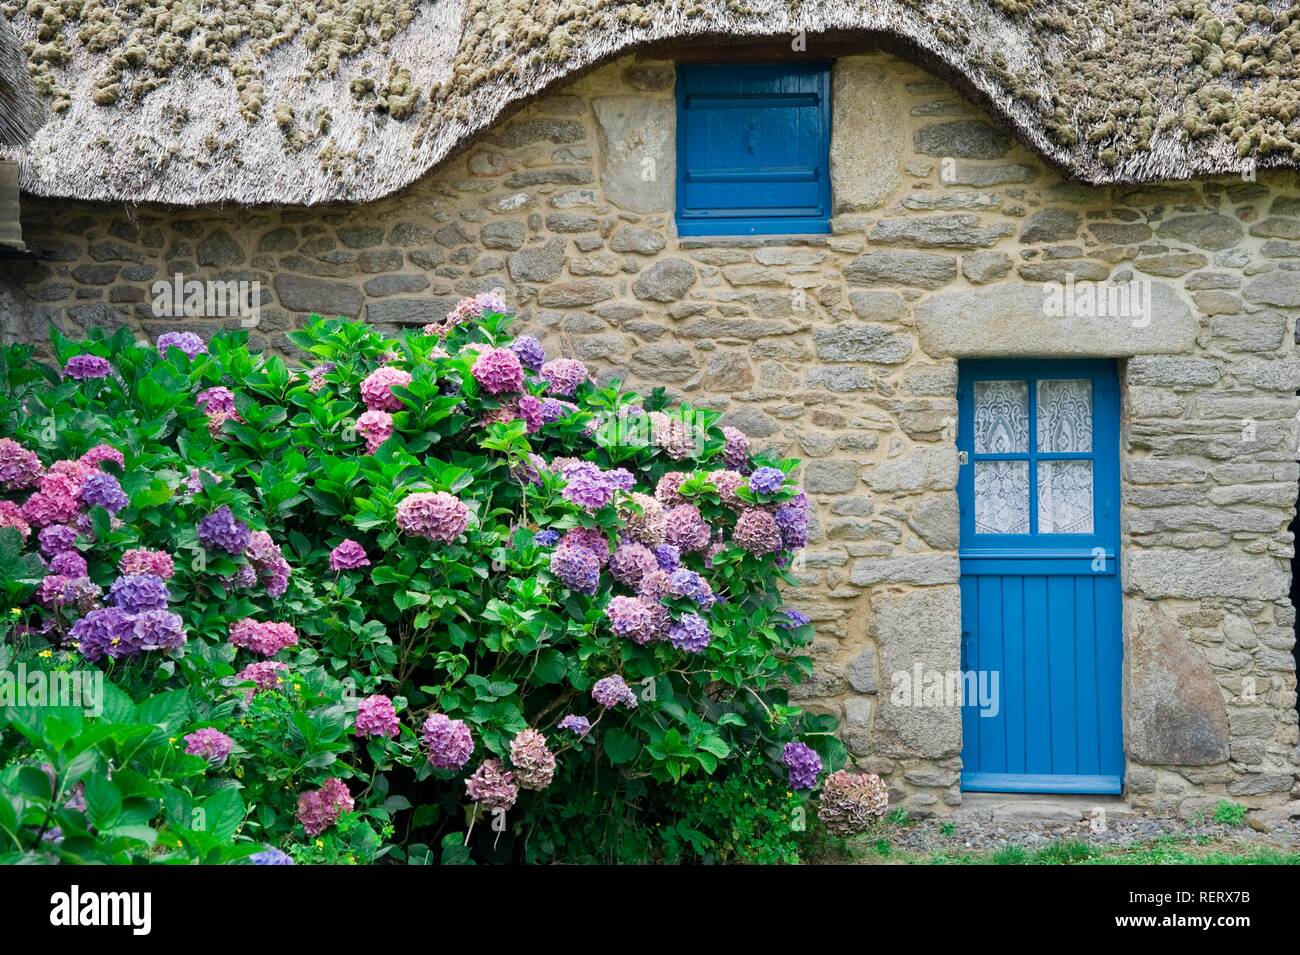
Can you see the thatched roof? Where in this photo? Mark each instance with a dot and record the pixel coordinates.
(21, 111)
(307, 101)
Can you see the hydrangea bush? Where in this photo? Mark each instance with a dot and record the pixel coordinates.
(410, 599)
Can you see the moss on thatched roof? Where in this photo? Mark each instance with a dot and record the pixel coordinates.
(304, 101)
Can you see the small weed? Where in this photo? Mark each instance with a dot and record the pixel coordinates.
(1229, 813)
(883, 848)
(947, 829)
(898, 817)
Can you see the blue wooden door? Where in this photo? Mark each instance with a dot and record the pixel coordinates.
(1040, 599)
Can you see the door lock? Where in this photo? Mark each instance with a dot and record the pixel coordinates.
(963, 458)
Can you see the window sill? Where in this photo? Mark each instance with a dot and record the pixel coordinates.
(751, 241)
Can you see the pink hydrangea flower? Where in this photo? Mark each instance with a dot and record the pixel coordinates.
(448, 741)
(141, 560)
(377, 389)
(499, 371)
(349, 555)
(436, 516)
(756, 531)
(265, 674)
(685, 528)
(11, 515)
(668, 490)
(101, 453)
(728, 482)
(321, 808)
(492, 786)
(263, 638)
(533, 762)
(56, 502)
(213, 745)
(564, 375)
(376, 427)
(376, 716)
(19, 467)
(644, 518)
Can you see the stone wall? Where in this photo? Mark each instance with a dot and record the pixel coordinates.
(842, 350)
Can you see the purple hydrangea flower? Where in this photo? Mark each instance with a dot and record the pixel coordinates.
(576, 567)
(213, 745)
(685, 528)
(736, 451)
(669, 557)
(577, 725)
(220, 531)
(159, 630)
(613, 691)
(349, 555)
(687, 583)
(81, 367)
(68, 563)
(271, 857)
(376, 716)
(631, 617)
(57, 538)
(103, 490)
(792, 522)
(588, 486)
(191, 344)
(547, 537)
(766, 480)
(530, 352)
(107, 632)
(553, 409)
(795, 618)
(803, 763)
(631, 562)
(448, 741)
(691, 633)
(137, 593)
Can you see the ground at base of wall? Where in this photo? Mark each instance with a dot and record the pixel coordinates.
(1019, 835)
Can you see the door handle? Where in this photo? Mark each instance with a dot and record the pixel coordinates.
(749, 135)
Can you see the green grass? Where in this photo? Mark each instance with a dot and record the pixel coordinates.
(1166, 850)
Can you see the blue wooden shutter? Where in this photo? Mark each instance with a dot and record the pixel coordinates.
(753, 148)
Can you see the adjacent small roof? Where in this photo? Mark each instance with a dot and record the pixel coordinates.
(296, 102)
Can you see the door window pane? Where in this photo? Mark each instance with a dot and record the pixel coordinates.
(1001, 417)
(1002, 497)
(1065, 415)
(1064, 497)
